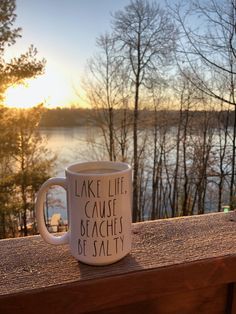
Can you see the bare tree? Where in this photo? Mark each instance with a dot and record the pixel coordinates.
(106, 91)
(208, 46)
(223, 160)
(147, 38)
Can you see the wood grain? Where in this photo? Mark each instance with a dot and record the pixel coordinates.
(189, 302)
(189, 260)
(233, 308)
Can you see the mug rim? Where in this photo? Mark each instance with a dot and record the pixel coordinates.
(118, 167)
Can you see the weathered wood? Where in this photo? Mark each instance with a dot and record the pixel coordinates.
(233, 309)
(208, 300)
(180, 265)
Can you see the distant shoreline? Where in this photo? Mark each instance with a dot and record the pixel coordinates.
(78, 117)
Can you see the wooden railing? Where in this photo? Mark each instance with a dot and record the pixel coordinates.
(180, 265)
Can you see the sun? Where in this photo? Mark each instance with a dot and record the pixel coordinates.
(51, 89)
(22, 96)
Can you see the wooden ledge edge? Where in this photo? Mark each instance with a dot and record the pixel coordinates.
(190, 275)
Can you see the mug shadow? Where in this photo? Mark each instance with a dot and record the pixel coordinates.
(127, 264)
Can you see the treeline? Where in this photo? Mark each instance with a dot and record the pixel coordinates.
(185, 158)
(183, 149)
(72, 117)
(66, 117)
(25, 163)
(23, 166)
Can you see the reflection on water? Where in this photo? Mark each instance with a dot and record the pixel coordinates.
(71, 145)
(80, 144)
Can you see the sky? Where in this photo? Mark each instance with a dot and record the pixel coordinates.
(64, 33)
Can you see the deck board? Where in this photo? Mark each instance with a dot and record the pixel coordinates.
(168, 257)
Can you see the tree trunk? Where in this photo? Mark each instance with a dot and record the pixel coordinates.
(135, 165)
(233, 163)
(154, 169)
(3, 225)
(111, 136)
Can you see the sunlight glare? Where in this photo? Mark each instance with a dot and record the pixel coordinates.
(52, 89)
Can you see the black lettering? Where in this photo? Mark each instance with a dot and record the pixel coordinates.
(122, 242)
(98, 188)
(110, 189)
(114, 207)
(109, 209)
(87, 227)
(80, 250)
(82, 247)
(102, 249)
(85, 209)
(109, 227)
(95, 229)
(84, 243)
(95, 249)
(83, 189)
(82, 228)
(115, 226)
(108, 253)
(100, 229)
(116, 239)
(121, 224)
(95, 210)
(122, 185)
(102, 207)
(118, 186)
(90, 191)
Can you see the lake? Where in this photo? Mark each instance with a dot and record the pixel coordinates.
(79, 144)
(71, 145)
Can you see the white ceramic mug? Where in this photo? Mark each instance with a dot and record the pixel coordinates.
(99, 204)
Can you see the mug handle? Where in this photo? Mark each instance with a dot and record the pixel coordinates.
(39, 206)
